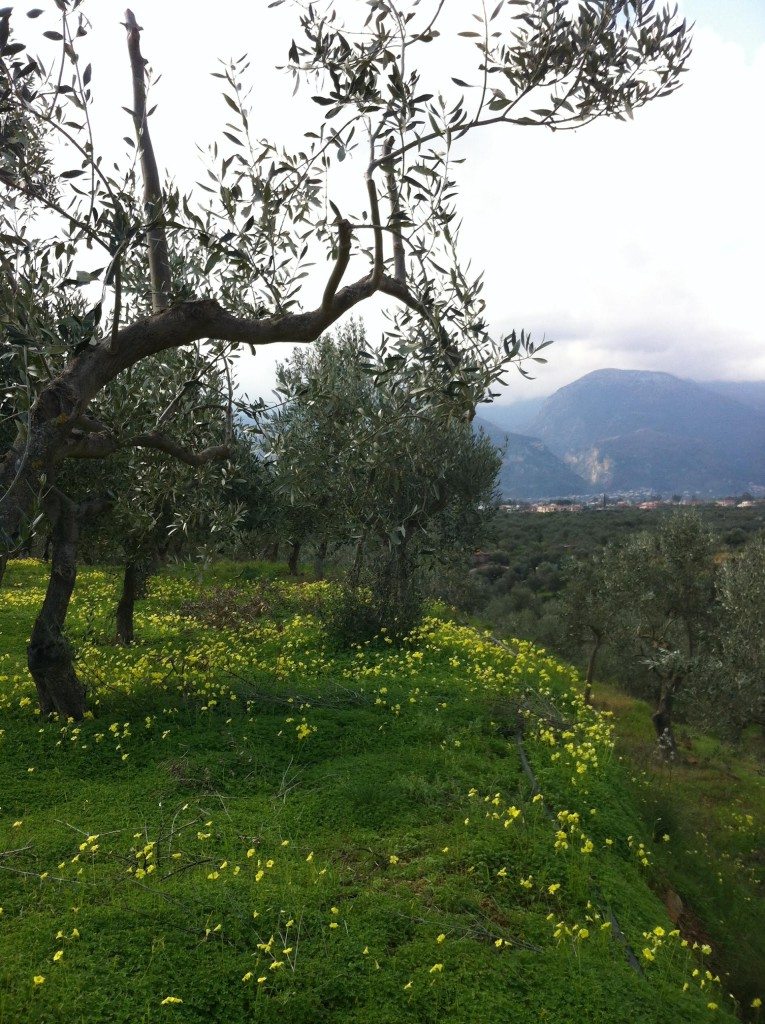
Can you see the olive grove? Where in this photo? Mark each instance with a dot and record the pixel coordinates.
(224, 264)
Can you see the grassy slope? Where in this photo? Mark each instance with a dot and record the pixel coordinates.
(187, 841)
(712, 803)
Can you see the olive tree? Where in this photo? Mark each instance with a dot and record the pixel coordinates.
(357, 458)
(164, 502)
(663, 584)
(249, 239)
(735, 687)
(590, 612)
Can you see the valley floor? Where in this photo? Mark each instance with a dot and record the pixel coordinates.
(254, 826)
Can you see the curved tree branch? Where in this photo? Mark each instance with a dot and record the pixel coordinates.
(343, 256)
(163, 443)
(103, 444)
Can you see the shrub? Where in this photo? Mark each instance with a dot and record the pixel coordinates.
(388, 598)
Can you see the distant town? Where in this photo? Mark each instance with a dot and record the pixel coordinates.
(594, 503)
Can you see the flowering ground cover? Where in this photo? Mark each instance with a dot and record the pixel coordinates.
(254, 826)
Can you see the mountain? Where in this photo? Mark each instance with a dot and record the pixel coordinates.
(639, 430)
(529, 469)
(748, 392)
(646, 460)
(512, 419)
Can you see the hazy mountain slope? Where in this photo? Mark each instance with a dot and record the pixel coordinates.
(648, 460)
(611, 403)
(637, 430)
(748, 392)
(529, 469)
(512, 419)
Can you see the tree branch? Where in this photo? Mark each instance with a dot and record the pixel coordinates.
(374, 215)
(103, 444)
(159, 262)
(93, 506)
(341, 263)
(64, 399)
(173, 405)
(163, 443)
(88, 425)
(399, 262)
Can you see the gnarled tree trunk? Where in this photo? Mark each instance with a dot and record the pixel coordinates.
(138, 570)
(49, 653)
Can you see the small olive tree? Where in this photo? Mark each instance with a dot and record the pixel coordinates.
(735, 686)
(358, 459)
(165, 502)
(663, 584)
(589, 607)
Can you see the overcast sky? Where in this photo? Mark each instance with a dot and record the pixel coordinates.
(636, 245)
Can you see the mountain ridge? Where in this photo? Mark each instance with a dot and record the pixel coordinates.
(640, 430)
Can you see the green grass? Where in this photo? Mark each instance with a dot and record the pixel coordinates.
(240, 790)
(712, 804)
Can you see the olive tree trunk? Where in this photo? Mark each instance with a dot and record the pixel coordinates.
(320, 559)
(293, 560)
(591, 663)
(49, 653)
(354, 576)
(131, 586)
(662, 720)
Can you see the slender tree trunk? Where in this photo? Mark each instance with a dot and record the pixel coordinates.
(294, 557)
(271, 552)
(131, 584)
(49, 653)
(592, 661)
(138, 571)
(662, 720)
(320, 560)
(358, 562)
(3, 564)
